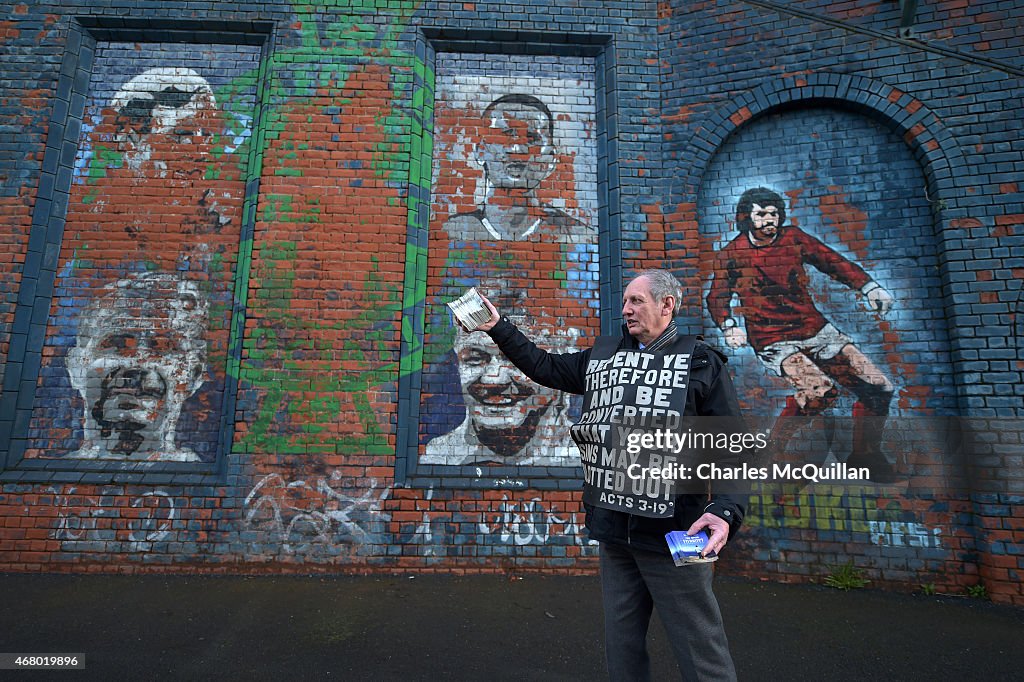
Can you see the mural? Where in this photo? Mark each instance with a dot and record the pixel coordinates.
(344, 279)
(514, 205)
(161, 102)
(509, 419)
(516, 153)
(763, 269)
(136, 352)
(822, 286)
(140, 354)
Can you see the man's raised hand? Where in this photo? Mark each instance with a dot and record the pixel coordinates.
(486, 326)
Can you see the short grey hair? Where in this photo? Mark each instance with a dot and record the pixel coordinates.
(663, 283)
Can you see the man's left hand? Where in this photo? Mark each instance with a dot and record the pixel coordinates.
(717, 529)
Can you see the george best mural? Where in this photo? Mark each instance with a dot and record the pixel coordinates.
(514, 213)
(763, 268)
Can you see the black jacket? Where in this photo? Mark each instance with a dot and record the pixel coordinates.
(710, 393)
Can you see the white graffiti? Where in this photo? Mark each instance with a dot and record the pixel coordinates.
(153, 527)
(508, 483)
(297, 513)
(70, 525)
(78, 519)
(530, 522)
(300, 516)
(904, 534)
(424, 534)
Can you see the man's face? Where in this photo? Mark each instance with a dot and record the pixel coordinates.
(138, 364)
(646, 318)
(764, 221)
(162, 110)
(516, 148)
(497, 395)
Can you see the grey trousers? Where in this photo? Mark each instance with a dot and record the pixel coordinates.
(633, 582)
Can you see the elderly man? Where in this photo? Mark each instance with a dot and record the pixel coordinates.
(637, 570)
(140, 354)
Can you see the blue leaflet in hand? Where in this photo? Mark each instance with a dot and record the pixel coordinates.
(686, 549)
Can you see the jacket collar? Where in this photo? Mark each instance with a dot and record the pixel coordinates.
(664, 340)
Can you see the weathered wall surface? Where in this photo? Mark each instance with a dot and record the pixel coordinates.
(232, 234)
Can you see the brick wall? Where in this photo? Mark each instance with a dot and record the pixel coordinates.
(233, 231)
(879, 149)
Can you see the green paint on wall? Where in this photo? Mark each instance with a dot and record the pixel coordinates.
(286, 360)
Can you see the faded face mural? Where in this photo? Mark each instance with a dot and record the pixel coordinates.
(140, 354)
(158, 187)
(517, 150)
(159, 106)
(522, 188)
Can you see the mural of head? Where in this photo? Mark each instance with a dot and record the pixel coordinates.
(760, 210)
(140, 354)
(517, 149)
(165, 101)
(505, 408)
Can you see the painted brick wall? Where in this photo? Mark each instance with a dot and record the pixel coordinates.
(871, 143)
(233, 230)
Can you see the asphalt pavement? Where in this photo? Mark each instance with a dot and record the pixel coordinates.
(480, 627)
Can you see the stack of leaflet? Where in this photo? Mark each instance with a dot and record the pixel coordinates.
(470, 310)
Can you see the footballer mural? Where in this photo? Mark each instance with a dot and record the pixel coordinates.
(514, 214)
(135, 359)
(762, 271)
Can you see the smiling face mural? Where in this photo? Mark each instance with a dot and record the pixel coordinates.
(510, 420)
